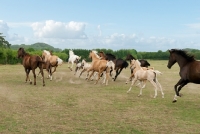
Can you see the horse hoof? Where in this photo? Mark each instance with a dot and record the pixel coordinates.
(174, 101)
(180, 95)
(30, 82)
(43, 85)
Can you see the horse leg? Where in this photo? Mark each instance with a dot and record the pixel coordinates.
(133, 82)
(99, 75)
(130, 78)
(33, 70)
(50, 72)
(159, 85)
(179, 88)
(27, 75)
(81, 73)
(90, 75)
(42, 73)
(118, 73)
(140, 85)
(54, 69)
(155, 86)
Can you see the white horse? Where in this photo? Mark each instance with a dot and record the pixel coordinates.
(73, 59)
(141, 75)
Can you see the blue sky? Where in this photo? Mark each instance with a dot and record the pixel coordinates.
(143, 25)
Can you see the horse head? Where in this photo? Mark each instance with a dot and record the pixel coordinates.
(172, 59)
(21, 52)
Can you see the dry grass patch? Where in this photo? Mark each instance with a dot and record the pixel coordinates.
(69, 104)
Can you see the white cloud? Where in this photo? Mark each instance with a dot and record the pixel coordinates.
(54, 29)
(194, 25)
(4, 28)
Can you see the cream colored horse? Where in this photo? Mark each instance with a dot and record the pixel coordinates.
(99, 66)
(50, 61)
(141, 75)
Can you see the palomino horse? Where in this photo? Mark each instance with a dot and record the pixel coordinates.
(189, 69)
(99, 66)
(119, 63)
(50, 61)
(141, 75)
(31, 62)
(73, 59)
(86, 66)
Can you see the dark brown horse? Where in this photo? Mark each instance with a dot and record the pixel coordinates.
(144, 63)
(189, 69)
(31, 62)
(120, 64)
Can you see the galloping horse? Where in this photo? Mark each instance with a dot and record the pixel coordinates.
(99, 66)
(30, 62)
(73, 59)
(85, 65)
(50, 61)
(119, 63)
(189, 69)
(144, 63)
(141, 75)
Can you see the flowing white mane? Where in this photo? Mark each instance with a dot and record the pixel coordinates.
(71, 52)
(95, 52)
(47, 52)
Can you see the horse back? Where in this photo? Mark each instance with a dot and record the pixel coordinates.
(191, 72)
(98, 64)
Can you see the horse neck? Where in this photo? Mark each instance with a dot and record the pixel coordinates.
(181, 61)
(137, 66)
(94, 57)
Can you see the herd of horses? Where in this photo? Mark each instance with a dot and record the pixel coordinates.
(103, 65)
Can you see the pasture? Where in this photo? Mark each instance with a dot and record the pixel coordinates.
(69, 104)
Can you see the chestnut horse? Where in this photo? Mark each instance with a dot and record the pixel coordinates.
(189, 69)
(99, 66)
(30, 62)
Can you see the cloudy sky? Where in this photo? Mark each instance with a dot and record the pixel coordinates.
(144, 25)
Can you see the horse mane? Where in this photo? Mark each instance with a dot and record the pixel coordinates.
(96, 53)
(131, 56)
(47, 52)
(71, 52)
(183, 53)
(110, 55)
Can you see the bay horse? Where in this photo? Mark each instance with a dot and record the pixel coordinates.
(30, 62)
(120, 64)
(73, 59)
(99, 66)
(50, 61)
(189, 69)
(141, 75)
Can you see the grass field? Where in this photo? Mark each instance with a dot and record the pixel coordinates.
(69, 104)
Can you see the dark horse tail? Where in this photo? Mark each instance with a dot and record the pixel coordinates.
(39, 61)
(125, 64)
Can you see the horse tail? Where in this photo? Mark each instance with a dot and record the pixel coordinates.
(125, 64)
(59, 61)
(156, 72)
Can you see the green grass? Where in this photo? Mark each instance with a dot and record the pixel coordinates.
(69, 104)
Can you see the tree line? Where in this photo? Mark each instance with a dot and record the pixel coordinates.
(9, 55)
